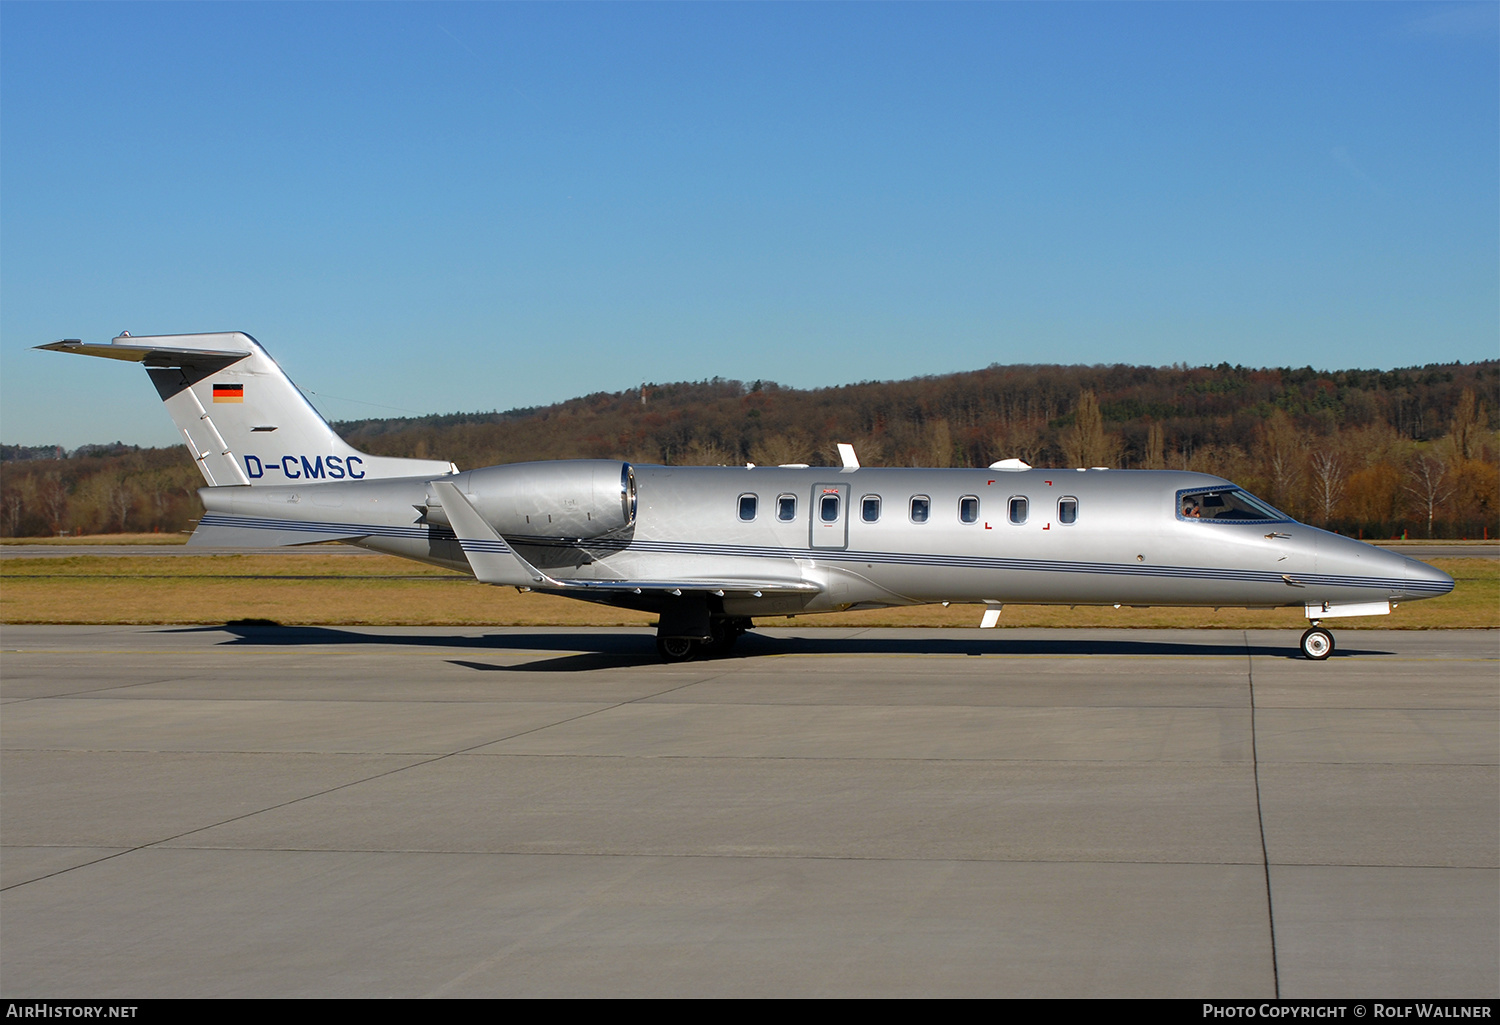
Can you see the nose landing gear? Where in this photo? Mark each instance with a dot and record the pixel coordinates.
(1317, 643)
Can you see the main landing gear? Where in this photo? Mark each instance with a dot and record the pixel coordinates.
(1317, 643)
(723, 632)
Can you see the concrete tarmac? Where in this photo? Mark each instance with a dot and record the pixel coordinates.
(281, 811)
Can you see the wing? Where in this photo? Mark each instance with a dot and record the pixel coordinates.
(496, 562)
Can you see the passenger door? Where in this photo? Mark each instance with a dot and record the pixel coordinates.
(829, 514)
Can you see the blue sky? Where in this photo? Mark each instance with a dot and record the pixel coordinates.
(432, 207)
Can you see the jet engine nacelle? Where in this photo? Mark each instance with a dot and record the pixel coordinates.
(579, 498)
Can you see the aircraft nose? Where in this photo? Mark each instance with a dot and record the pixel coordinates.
(1403, 578)
(1424, 581)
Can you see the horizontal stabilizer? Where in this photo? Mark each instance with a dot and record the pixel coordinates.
(151, 355)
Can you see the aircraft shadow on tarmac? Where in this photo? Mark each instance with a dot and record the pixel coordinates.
(588, 651)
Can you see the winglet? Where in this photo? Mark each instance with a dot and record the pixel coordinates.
(493, 561)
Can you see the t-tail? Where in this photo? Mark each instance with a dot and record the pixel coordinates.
(241, 416)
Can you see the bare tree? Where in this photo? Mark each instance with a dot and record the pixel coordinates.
(1468, 424)
(939, 444)
(1329, 480)
(869, 450)
(707, 452)
(119, 498)
(158, 490)
(781, 449)
(1429, 483)
(52, 493)
(1156, 458)
(15, 505)
(1025, 441)
(1085, 443)
(1285, 457)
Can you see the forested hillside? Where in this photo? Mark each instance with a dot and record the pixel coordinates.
(1371, 453)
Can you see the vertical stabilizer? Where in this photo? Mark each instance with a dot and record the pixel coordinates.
(241, 416)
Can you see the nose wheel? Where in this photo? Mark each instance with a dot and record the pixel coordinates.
(1317, 644)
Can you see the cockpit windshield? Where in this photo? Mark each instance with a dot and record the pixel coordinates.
(1226, 505)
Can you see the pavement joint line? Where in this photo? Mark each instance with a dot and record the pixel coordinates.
(789, 856)
(1033, 762)
(1260, 816)
(469, 752)
(650, 698)
(108, 694)
(306, 797)
(731, 855)
(83, 695)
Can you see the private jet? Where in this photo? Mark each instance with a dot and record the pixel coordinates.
(707, 549)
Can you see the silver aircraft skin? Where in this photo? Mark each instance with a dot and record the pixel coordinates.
(710, 548)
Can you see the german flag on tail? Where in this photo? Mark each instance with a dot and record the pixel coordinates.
(229, 393)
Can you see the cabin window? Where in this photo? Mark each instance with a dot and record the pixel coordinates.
(869, 508)
(747, 507)
(786, 508)
(1067, 510)
(968, 509)
(1020, 507)
(921, 506)
(828, 508)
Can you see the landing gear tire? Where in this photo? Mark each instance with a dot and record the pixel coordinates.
(724, 632)
(677, 649)
(1317, 644)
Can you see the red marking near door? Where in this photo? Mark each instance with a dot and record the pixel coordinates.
(1047, 527)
